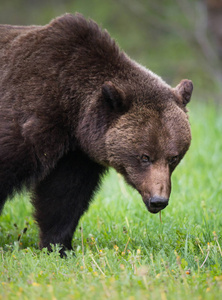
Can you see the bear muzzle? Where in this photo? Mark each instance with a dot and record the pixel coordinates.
(156, 204)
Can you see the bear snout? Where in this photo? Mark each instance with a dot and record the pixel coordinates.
(156, 204)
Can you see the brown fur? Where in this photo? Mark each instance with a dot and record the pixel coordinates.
(73, 104)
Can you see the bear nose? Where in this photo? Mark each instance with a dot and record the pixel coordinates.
(157, 203)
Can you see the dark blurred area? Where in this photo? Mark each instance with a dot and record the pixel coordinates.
(175, 39)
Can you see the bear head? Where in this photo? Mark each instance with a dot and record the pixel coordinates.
(149, 138)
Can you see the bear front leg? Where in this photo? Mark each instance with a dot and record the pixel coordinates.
(63, 196)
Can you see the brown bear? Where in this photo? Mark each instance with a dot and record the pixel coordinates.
(73, 104)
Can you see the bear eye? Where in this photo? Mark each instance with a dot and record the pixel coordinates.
(173, 159)
(145, 158)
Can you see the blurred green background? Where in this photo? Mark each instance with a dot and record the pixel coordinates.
(175, 39)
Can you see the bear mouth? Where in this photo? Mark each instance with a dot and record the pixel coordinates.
(153, 210)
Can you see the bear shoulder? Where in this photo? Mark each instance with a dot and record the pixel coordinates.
(84, 34)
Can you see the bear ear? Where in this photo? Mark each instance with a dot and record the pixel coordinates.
(114, 97)
(184, 91)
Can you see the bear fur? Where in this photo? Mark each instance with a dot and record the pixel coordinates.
(73, 104)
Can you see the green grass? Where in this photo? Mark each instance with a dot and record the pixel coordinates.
(122, 251)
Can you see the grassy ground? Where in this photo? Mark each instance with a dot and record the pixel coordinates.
(122, 251)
